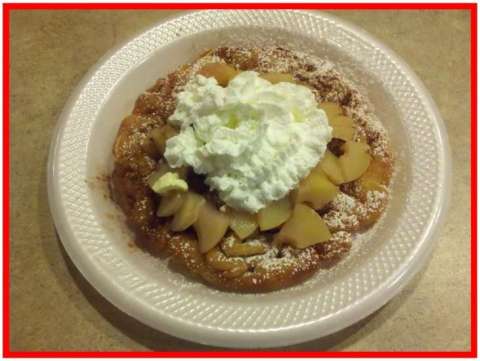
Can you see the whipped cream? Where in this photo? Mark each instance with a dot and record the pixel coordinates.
(253, 140)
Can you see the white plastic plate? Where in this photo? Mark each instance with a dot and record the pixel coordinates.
(383, 260)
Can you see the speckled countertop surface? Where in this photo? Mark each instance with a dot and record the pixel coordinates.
(54, 308)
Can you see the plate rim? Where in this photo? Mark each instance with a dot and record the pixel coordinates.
(230, 338)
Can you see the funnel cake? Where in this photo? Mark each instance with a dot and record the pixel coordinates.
(288, 240)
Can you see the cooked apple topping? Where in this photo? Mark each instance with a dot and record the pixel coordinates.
(210, 226)
(350, 166)
(234, 247)
(344, 133)
(242, 223)
(275, 78)
(222, 72)
(354, 161)
(295, 216)
(274, 214)
(316, 190)
(163, 183)
(333, 110)
(170, 203)
(331, 166)
(305, 228)
(188, 213)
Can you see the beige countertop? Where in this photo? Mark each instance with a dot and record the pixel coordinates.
(54, 308)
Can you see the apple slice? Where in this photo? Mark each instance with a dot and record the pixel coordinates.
(222, 72)
(243, 224)
(344, 133)
(331, 166)
(304, 229)
(342, 127)
(167, 182)
(188, 212)
(210, 226)
(316, 190)
(274, 214)
(333, 110)
(170, 203)
(275, 78)
(163, 168)
(160, 135)
(340, 121)
(354, 161)
(236, 248)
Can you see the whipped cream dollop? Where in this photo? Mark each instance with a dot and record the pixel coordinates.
(253, 140)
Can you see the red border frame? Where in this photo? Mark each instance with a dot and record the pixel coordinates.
(142, 6)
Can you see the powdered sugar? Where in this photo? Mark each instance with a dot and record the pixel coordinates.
(343, 213)
(280, 260)
(375, 199)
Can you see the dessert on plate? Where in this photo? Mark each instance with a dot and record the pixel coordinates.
(251, 168)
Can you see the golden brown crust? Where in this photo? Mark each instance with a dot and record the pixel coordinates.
(259, 277)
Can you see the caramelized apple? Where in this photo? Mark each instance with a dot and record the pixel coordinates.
(160, 135)
(342, 127)
(275, 78)
(340, 121)
(274, 214)
(243, 224)
(167, 182)
(316, 190)
(170, 203)
(222, 72)
(331, 166)
(163, 168)
(333, 110)
(210, 226)
(188, 212)
(237, 248)
(305, 228)
(344, 133)
(354, 161)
